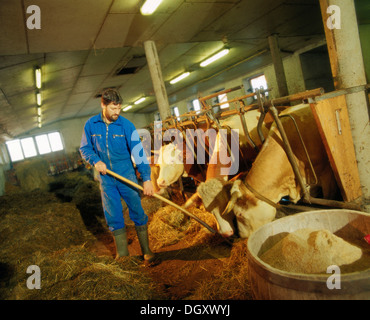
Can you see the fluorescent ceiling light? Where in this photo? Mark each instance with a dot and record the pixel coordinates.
(38, 77)
(215, 57)
(149, 6)
(38, 119)
(127, 108)
(39, 111)
(180, 77)
(140, 100)
(38, 99)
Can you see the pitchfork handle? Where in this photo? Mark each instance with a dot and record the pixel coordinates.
(162, 199)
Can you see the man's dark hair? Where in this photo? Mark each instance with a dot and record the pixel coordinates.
(111, 96)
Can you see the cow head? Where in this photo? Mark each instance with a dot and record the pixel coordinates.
(230, 200)
(171, 165)
(250, 212)
(214, 196)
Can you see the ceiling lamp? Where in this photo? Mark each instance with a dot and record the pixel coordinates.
(38, 77)
(127, 108)
(180, 77)
(140, 100)
(39, 111)
(38, 98)
(215, 57)
(149, 6)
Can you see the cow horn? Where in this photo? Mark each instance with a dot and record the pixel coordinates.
(231, 203)
(192, 200)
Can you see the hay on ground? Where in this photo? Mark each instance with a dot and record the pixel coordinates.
(77, 274)
(48, 229)
(231, 282)
(38, 221)
(169, 225)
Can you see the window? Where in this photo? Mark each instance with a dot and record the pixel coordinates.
(28, 147)
(55, 141)
(176, 112)
(43, 144)
(196, 105)
(222, 98)
(258, 82)
(20, 149)
(15, 150)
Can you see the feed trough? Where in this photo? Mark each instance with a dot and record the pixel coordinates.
(351, 281)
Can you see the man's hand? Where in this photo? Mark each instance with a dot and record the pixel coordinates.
(101, 167)
(148, 188)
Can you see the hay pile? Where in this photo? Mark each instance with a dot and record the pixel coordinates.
(77, 274)
(169, 225)
(151, 205)
(33, 175)
(231, 282)
(35, 222)
(38, 221)
(309, 251)
(207, 267)
(53, 231)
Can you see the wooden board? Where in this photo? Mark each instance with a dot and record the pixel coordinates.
(332, 119)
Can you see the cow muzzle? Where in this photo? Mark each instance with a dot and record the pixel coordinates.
(227, 234)
(162, 183)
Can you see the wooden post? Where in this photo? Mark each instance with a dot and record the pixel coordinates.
(278, 65)
(157, 79)
(348, 71)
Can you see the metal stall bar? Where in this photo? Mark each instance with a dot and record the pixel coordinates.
(307, 198)
(240, 110)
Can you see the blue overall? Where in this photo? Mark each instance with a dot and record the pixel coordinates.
(114, 144)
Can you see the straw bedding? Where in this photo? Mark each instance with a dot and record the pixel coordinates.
(38, 228)
(57, 229)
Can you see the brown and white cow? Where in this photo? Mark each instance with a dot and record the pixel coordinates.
(168, 173)
(271, 176)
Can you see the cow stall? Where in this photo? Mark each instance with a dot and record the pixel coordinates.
(343, 164)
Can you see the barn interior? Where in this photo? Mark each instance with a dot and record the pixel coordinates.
(306, 51)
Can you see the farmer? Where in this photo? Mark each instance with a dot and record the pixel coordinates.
(108, 142)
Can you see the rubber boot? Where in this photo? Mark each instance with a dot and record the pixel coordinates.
(120, 239)
(142, 234)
